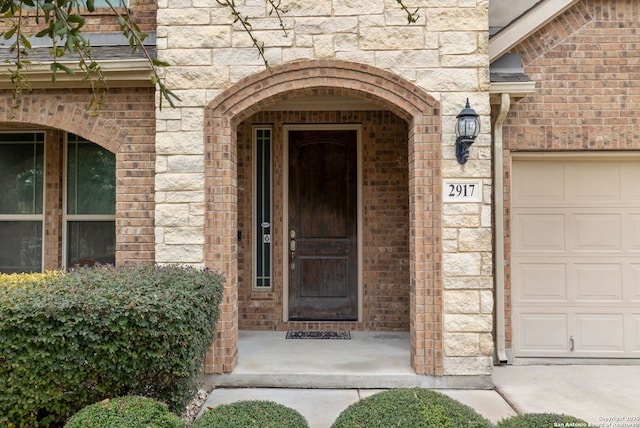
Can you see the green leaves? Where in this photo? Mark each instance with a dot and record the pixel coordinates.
(71, 339)
(63, 22)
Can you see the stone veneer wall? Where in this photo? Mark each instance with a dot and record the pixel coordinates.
(444, 54)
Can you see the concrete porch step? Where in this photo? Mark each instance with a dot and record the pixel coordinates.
(369, 360)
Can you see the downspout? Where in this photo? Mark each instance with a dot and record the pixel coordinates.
(498, 176)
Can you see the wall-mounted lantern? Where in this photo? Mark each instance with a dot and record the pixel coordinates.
(467, 129)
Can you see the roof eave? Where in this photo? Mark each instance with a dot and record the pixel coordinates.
(526, 25)
(119, 73)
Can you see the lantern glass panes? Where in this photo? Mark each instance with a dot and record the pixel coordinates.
(468, 125)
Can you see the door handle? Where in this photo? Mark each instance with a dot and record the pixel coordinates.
(573, 345)
(292, 247)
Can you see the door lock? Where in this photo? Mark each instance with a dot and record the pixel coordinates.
(292, 247)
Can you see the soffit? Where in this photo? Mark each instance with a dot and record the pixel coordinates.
(525, 25)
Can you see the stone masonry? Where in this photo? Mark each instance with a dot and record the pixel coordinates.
(443, 55)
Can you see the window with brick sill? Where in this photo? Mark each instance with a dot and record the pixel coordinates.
(90, 203)
(88, 233)
(21, 202)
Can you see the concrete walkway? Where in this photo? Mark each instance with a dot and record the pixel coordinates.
(321, 407)
(598, 394)
(321, 378)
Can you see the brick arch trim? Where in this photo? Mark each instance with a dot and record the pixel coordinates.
(330, 78)
(66, 117)
(323, 77)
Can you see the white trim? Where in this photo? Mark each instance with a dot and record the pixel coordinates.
(285, 210)
(514, 89)
(121, 73)
(594, 156)
(527, 24)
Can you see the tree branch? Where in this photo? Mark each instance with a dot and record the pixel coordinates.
(63, 25)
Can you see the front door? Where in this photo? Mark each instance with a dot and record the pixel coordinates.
(323, 229)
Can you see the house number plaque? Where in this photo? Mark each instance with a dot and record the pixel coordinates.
(461, 191)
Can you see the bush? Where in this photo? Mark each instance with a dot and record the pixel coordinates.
(409, 408)
(251, 414)
(68, 340)
(535, 420)
(130, 412)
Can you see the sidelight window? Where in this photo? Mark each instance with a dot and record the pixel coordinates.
(263, 139)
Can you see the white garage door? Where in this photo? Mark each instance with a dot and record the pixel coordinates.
(576, 257)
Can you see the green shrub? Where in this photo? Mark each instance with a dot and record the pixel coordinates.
(535, 420)
(409, 408)
(130, 412)
(251, 414)
(68, 340)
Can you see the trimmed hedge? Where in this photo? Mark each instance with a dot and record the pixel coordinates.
(535, 420)
(251, 414)
(68, 340)
(414, 408)
(130, 412)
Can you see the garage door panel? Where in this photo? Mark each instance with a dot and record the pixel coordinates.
(541, 281)
(634, 283)
(539, 184)
(634, 232)
(540, 232)
(631, 176)
(575, 257)
(598, 281)
(595, 182)
(599, 333)
(597, 232)
(634, 333)
(543, 332)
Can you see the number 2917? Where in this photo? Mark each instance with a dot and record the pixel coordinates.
(462, 190)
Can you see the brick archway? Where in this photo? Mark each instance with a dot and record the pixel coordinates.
(135, 162)
(328, 78)
(68, 117)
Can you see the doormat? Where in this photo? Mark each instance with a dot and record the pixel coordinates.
(325, 334)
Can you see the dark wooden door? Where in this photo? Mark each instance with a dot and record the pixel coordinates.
(323, 229)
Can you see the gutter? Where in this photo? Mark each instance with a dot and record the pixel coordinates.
(502, 94)
(498, 177)
(119, 73)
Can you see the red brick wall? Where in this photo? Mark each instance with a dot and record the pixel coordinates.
(125, 126)
(143, 12)
(586, 65)
(386, 222)
(329, 78)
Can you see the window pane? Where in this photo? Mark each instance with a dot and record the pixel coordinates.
(114, 3)
(263, 208)
(91, 178)
(21, 173)
(93, 241)
(83, 3)
(21, 249)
